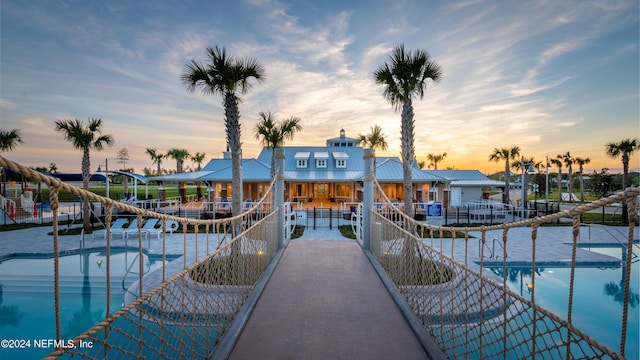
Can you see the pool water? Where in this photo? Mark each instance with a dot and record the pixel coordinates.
(27, 309)
(597, 298)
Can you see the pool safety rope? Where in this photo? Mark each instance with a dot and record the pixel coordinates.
(572, 335)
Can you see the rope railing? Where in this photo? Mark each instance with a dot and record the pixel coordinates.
(183, 309)
(470, 311)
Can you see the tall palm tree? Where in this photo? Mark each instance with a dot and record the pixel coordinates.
(198, 158)
(156, 157)
(85, 137)
(581, 162)
(226, 76)
(179, 155)
(527, 163)
(375, 140)
(506, 155)
(623, 150)
(272, 134)
(558, 163)
(9, 139)
(435, 159)
(403, 77)
(568, 162)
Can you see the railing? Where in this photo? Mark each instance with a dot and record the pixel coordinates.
(471, 312)
(183, 309)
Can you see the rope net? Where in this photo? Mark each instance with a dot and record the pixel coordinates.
(469, 310)
(185, 308)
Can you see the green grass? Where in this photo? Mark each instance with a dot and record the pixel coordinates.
(346, 231)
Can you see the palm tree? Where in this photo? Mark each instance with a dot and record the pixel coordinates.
(527, 163)
(198, 158)
(375, 140)
(623, 149)
(558, 162)
(9, 139)
(435, 159)
(581, 162)
(226, 76)
(568, 162)
(85, 137)
(273, 134)
(179, 155)
(506, 155)
(156, 157)
(403, 77)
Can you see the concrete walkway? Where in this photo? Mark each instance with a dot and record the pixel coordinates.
(325, 301)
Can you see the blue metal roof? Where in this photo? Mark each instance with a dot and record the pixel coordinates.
(321, 163)
(389, 169)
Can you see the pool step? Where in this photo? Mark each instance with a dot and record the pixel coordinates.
(68, 284)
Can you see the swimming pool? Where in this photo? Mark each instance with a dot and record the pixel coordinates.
(597, 299)
(27, 302)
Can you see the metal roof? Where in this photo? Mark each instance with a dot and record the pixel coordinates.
(475, 183)
(389, 169)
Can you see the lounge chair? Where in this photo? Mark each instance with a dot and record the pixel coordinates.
(171, 227)
(149, 225)
(118, 224)
(133, 226)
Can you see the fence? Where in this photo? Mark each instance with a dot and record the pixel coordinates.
(185, 308)
(471, 312)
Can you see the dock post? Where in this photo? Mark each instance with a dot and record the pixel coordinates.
(367, 199)
(279, 195)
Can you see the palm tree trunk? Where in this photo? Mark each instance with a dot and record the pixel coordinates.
(559, 185)
(86, 166)
(408, 151)
(507, 180)
(625, 176)
(570, 185)
(233, 134)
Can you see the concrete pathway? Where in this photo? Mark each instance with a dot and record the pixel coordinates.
(325, 301)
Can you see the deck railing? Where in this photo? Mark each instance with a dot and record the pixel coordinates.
(183, 309)
(471, 312)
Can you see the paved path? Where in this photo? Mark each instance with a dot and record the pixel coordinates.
(325, 301)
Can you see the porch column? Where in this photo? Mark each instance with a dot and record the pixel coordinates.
(367, 198)
(279, 194)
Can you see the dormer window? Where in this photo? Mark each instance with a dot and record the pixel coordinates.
(301, 159)
(341, 159)
(321, 159)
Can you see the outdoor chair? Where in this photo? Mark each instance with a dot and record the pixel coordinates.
(171, 227)
(149, 225)
(118, 224)
(133, 226)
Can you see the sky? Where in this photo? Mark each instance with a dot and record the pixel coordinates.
(547, 76)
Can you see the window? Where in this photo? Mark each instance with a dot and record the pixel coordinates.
(341, 163)
(302, 163)
(321, 163)
(343, 190)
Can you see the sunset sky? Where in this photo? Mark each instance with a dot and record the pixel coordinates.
(548, 76)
